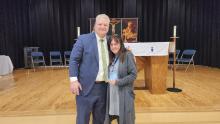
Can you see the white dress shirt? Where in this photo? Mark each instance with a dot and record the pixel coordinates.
(101, 71)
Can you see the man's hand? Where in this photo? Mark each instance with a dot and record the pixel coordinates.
(75, 86)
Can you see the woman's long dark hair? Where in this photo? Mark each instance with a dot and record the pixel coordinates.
(121, 52)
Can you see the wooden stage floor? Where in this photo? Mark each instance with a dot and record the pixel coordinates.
(46, 92)
(43, 97)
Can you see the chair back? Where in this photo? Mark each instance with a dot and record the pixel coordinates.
(67, 53)
(66, 57)
(55, 53)
(55, 58)
(37, 54)
(187, 57)
(37, 58)
(189, 52)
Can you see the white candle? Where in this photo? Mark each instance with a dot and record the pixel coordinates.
(78, 31)
(174, 31)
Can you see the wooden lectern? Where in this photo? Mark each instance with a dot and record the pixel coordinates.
(155, 72)
(154, 59)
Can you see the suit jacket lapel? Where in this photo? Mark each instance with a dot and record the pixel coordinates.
(95, 47)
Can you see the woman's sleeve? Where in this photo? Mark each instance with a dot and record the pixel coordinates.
(131, 71)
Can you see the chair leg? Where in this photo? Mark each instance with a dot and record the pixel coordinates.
(51, 65)
(44, 65)
(61, 63)
(33, 66)
(188, 66)
(193, 65)
(32, 62)
(177, 64)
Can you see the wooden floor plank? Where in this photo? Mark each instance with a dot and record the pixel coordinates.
(46, 91)
(141, 118)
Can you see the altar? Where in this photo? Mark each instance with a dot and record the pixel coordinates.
(154, 55)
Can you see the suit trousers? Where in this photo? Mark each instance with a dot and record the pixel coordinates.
(94, 103)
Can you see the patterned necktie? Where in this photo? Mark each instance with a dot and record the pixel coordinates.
(104, 61)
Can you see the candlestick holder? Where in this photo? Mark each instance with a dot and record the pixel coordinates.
(174, 89)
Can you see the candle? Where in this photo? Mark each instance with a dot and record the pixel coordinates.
(174, 31)
(78, 31)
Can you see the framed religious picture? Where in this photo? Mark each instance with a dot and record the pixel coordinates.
(126, 28)
(114, 27)
(129, 29)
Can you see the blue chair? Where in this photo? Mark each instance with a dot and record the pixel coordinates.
(171, 56)
(37, 58)
(67, 57)
(187, 57)
(55, 58)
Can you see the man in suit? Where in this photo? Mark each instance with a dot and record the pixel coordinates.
(88, 72)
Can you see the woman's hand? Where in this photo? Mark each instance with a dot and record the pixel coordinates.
(112, 82)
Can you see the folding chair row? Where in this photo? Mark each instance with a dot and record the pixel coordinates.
(187, 57)
(37, 58)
